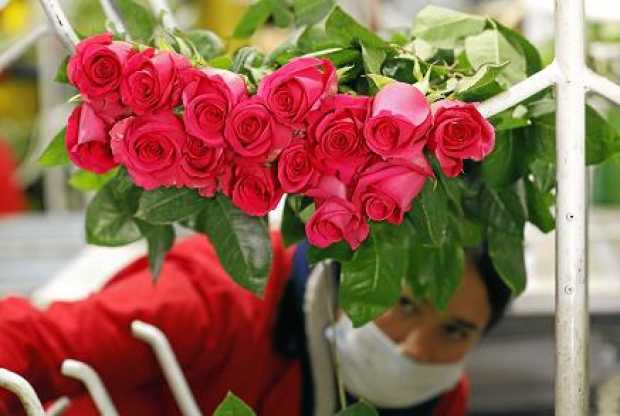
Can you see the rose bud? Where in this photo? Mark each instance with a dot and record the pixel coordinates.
(153, 81)
(459, 132)
(252, 131)
(150, 147)
(336, 131)
(298, 88)
(336, 220)
(96, 67)
(209, 96)
(253, 189)
(88, 142)
(386, 189)
(398, 122)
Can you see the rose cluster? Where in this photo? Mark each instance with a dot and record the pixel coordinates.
(359, 158)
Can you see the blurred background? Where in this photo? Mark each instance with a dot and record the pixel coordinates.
(43, 253)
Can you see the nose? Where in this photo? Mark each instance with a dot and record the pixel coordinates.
(419, 345)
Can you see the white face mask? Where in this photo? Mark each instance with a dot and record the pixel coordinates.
(373, 368)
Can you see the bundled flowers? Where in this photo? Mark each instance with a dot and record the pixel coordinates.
(171, 124)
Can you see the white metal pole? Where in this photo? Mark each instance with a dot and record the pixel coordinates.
(19, 386)
(169, 364)
(113, 16)
(61, 24)
(162, 9)
(87, 375)
(571, 315)
(21, 46)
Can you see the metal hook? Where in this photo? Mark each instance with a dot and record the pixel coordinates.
(60, 23)
(172, 371)
(85, 373)
(20, 387)
(113, 16)
(161, 8)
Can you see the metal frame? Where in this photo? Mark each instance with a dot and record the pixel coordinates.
(88, 376)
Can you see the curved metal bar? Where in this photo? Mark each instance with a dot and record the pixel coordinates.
(603, 86)
(21, 45)
(58, 407)
(85, 373)
(172, 371)
(60, 23)
(20, 387)
(113, 16)
(161, 8)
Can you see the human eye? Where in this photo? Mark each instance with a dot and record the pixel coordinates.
(455, 332)
(408, 306)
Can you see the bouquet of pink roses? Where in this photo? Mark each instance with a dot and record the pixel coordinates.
(377, 146)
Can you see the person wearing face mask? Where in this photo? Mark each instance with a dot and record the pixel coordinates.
(278, 353)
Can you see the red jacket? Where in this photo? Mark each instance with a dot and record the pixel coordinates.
(220, 333)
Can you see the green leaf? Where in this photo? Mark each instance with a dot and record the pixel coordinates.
(138, 20)
(343, 27)
(539, 207)
(160, 239)
(167, 205)
(503, 210)
(255, 17)
(371, 282)
(491, 47)
(56, 152)
(481, 84)
(468, 231)
(506, 252)
(442, 27)
(86, 181)
(309, 12)
(373, 58)
(380, 81)
(233, 406)
(429, 215)
(282, 15)
(207, 43)
(358, 409)
(61, 74)
(222, 62)
(513, 118)
(339, 251)
(436, 272)
(109, 216)
(532, 56)
(293, 229)
(241, 242)
(504, 165)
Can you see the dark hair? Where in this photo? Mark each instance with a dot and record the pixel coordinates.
(498, 293)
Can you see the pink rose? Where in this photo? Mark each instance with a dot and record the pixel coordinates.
(337, 131)
(459, 132)
(110, 107)
(298, 88)
(253, 132)
(296, 171)
(88, 142)
(152, 81)
(336, 220)
(150, 147)
(96, 67)
(398, 123)
(208, 97)
(385, 190)
(200, 165)
(253, 189)
(328, 186)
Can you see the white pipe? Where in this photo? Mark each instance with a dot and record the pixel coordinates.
(21, 46)
(603, 86)
(60, 23)
(519, 92)
(162, 9)
(571, 291)
(20, 387)
(85, 373)
(112, 15)
(172, 371)
(58, 407)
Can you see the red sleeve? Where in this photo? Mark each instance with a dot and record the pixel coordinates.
(189, 303)
(12, 198)
(454, 402)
